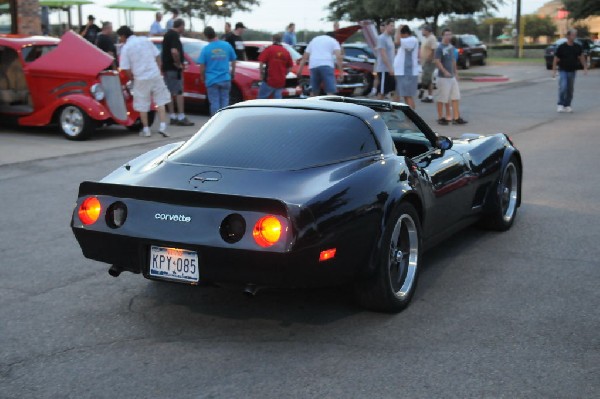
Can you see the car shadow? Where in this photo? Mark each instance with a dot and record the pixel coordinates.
(297, 306)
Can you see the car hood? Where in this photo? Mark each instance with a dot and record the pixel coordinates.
(90, 59)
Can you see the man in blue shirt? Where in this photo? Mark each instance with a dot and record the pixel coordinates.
(289, 36)
(214, 61)
(155, 28)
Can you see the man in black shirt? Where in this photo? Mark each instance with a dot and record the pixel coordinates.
(90, 30)
(172, 65)
(237, 42)
(105, 41)
(569, 57)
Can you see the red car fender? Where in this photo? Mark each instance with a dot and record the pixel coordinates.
(91, 107)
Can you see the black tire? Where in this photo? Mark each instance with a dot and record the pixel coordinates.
(137, 125)
(467, 62)
(483, 60)
(368, 82)
(505, 199)
(74, 123)
(393, 284)
(235, 95)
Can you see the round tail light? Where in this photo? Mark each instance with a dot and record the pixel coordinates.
(267, 231)
(116, 215)
(233, 228)
(89, 210)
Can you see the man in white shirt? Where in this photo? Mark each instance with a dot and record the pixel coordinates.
(321, 52)
(140, 61)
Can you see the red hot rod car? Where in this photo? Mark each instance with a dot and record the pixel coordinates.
(45, 80)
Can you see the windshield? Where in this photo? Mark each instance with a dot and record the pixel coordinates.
(271, 138)
(471, 40)
(403, 128)
(33, 52)
(193, 49)
(253, 51)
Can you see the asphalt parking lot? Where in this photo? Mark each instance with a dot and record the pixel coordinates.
(513, 314)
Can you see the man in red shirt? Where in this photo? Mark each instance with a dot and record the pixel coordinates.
(278, 64)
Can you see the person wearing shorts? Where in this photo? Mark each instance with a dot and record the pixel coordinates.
(140, 62)
(406, 66)
(384, 58)
(428, 47)
(321, 52)
(448, 91)
(172, 64)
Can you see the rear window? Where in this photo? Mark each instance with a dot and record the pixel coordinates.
(272, 138)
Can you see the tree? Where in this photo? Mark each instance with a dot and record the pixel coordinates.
(427, 10)
(497, 27)
(581, 9)
(203, 8)
(583, 30)
(536, 26)
(461, 25)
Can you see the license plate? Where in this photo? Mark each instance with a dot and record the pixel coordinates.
(174, 264)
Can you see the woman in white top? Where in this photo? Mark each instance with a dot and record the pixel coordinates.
(406, 66)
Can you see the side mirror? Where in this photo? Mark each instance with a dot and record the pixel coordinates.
(444, 143)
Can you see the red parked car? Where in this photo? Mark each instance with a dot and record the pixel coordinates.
(245, 82)
(45, 80)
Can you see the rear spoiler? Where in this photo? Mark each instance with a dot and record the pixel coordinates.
(185, 197)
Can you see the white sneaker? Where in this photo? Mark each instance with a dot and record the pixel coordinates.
(145, 134)
(560, 109)
(568, 109)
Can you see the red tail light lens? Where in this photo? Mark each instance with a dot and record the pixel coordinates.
(267, 231)
(89, 210)
(327, 254)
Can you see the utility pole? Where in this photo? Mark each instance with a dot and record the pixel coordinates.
(518, 40)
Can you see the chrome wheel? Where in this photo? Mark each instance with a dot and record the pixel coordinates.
(509, 191)
(72, 121)
(403, 256)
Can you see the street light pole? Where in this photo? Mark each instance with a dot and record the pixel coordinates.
(518, 28)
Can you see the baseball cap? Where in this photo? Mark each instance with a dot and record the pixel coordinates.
(91, 17)
(240, 25)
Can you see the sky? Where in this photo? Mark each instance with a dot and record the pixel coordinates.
(271, 15)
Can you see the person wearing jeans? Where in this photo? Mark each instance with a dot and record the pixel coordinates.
(218, 95)
(322, 51)
(215, 61)
(569, 57)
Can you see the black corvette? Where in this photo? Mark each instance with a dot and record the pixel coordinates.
(299, 193)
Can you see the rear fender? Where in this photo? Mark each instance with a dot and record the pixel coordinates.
(91, 107)
(491, 201)
(401, 193)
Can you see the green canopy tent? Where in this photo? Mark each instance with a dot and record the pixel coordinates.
(504, 36)
(67, 4)
(132, 5)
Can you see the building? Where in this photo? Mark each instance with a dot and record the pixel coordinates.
(20, 16)
(556, 10)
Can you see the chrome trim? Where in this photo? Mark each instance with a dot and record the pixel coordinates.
(194, 95)
(113, 96)
(350, 85)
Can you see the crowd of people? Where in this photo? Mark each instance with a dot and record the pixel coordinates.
(156, 76)
(400, 58)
